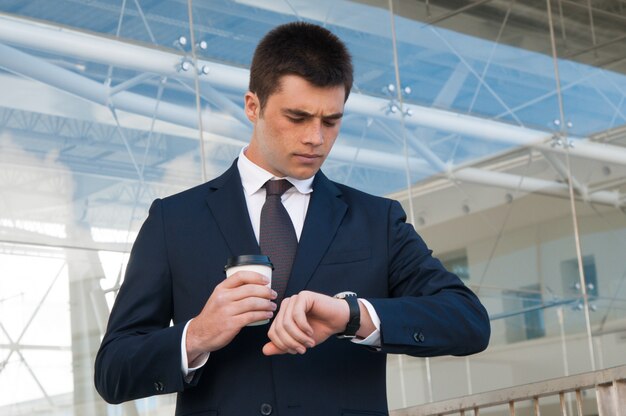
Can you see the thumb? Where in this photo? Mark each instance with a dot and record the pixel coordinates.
(271, 349)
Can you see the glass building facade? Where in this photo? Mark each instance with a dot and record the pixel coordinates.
(500, 125)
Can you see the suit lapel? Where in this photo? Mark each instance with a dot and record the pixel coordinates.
(228, 205)
(323, 218)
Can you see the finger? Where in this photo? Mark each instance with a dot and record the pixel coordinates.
(297, 324)
(252, 304)
(291, 336)
(278, 335)
(244, 277)
(255, 316)
(299, 313)
(222, 300)
(271, 349)
(251, 291)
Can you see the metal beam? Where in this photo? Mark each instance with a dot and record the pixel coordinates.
(106, 50)
(452, 13)
(38, 69)
(527, 184)
(226, 130)
(93, 91)
(84, 272)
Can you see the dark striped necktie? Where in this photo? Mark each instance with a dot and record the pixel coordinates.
(278, 237)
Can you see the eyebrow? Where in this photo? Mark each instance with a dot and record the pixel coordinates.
(305, 114)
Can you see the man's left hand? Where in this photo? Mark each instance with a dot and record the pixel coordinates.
(305, 320)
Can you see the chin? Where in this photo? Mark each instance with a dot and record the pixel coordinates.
(304, 173)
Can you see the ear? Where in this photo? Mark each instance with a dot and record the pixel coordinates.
(252, 106)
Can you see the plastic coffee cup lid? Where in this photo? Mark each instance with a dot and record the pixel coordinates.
(248, 259)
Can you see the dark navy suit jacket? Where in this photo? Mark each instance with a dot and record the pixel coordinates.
(350, 241)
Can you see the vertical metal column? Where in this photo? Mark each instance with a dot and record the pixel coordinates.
(611, 398)
(84, 272)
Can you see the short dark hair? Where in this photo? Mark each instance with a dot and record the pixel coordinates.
(303, 49)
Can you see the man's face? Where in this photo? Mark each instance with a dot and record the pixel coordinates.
(297, 127)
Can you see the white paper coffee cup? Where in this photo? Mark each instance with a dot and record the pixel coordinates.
(253, 263)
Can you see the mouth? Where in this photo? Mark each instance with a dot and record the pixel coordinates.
(307, 156)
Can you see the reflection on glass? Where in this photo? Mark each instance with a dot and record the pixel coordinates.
(93, 132)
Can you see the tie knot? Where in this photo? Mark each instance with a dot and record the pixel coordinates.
(278, 187)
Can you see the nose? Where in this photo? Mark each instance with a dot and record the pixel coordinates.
(314, 134)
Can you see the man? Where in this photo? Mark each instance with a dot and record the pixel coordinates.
(408, 303)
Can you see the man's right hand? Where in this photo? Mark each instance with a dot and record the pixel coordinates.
(239, 300)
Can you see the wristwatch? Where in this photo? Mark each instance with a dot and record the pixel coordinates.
(354, 323)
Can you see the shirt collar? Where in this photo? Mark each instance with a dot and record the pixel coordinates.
(253, 177)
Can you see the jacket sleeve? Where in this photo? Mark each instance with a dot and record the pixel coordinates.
(140, 354)
(429, 311)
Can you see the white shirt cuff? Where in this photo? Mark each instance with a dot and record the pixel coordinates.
(188, 372)
(373, 339)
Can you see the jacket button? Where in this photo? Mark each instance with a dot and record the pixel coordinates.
(418, 337)
(266, 409)
(158, 386)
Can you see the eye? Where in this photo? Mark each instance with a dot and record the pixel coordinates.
(296, 120)
(329, 123)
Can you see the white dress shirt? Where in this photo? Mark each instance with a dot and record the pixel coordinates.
(296, 202)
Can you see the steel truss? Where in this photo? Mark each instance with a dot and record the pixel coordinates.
(118, 53)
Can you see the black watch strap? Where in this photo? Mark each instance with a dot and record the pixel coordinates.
(354, 322)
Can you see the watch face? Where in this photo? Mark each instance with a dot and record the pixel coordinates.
(343, 295)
